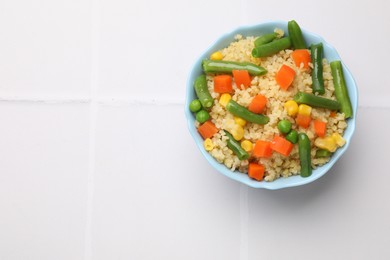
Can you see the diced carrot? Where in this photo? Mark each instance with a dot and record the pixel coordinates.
(320, 127)
(281, 145)
(223, 84)
(333, 113)
(262, 149)
(303, 120)
(256, 171)
(285, 77)
(257, 104)
(242, 78)
(207, 129)
(301, 56)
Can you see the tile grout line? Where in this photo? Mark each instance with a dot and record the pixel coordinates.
(139, 101)
(46, 100)
(121, 101)
(93, 113)
(99, 100)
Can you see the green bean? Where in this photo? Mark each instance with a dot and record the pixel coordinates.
(304, 154)
(292, 136)
(265, 38)
(202, 116)
(317, 54)
(316, 101)
(222, 66)
(271, 48)
(284, 126)
(295, 33)
(321, 153)
(340, 88)
(236, 147)
(195, 105)
(240, 111)
(202, 91)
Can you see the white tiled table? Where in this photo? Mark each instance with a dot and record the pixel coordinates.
(96, 161)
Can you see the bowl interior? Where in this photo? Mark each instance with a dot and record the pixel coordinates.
(329, 53)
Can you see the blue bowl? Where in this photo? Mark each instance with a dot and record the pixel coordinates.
(330, 54)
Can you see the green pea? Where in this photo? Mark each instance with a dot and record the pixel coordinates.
(292, 136)
(195, 105)
(202, 116)
(284, 126)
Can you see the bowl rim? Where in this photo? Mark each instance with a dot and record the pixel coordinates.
(236, 175)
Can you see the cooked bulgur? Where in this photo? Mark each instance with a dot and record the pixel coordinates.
(278, 165)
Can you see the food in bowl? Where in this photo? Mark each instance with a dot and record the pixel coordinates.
(270, 107)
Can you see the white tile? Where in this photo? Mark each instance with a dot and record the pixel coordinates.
(147, 47)
(45, 48)
(359, 41)
(155, 197)
(343, 214)
(43, 180)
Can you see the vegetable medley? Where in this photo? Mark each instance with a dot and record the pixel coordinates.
(230, 76)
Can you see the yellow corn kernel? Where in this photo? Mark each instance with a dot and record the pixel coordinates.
(291, 107)
(224, 99)
(216, 56)
(327, 143)
(208, 144)
(340, 141)
(247, 145)
(304, 110)
(239, 121)
(238, 132)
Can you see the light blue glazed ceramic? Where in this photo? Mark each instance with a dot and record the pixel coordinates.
(330, 54)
